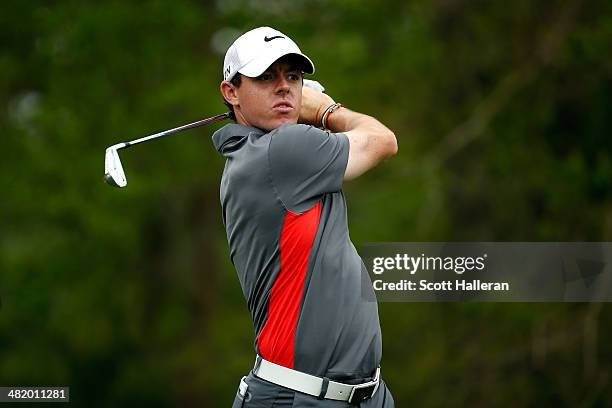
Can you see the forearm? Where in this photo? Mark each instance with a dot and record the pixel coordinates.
(345, 120)
(364, 129)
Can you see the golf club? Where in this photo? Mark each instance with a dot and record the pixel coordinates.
(113, 170)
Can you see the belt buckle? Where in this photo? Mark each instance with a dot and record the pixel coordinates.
(364, 391)
(361, 393)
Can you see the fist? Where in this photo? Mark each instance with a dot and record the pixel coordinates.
(314, 104)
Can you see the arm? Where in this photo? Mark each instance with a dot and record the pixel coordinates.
(370, 141)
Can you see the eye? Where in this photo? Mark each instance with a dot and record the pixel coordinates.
(266, 76)
(294, 76)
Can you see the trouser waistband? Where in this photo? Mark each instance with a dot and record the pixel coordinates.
(320, 387)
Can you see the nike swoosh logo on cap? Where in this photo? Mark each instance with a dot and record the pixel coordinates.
(267, 39)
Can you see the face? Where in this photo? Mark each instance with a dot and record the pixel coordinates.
(269, 100)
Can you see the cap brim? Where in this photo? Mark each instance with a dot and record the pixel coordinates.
(258, 66)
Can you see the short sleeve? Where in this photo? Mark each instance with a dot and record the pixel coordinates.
(305, 163)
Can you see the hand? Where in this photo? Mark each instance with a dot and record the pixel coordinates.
(314, 104)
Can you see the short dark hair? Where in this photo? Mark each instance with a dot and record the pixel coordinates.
(236, 81)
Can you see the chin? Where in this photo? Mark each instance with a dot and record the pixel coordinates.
(277, 123)
(286, 120)
(274, 123)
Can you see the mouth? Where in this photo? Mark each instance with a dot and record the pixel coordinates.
(283, 106)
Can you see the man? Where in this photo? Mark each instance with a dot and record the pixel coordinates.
(318, 339)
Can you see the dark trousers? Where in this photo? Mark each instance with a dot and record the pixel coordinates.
(264, 394)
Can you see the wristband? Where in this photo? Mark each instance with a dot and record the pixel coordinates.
(331, 109)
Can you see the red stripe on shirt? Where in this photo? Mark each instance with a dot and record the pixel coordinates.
(276, 341)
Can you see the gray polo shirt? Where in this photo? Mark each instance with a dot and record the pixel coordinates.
(311, 300)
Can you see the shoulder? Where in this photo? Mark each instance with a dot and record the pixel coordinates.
(302, 137)
(294, 131)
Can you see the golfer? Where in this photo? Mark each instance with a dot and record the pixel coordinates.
(317, 332)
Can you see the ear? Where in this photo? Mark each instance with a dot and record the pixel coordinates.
(228, 90)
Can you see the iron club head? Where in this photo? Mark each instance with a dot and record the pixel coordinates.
(113, 170)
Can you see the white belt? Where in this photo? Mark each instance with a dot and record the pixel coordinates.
(322, 388)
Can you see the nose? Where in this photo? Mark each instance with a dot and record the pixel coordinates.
(282, 86)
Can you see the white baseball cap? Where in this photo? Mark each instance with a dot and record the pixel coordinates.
(254, 51)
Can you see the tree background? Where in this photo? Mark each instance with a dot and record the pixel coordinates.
(502, 112)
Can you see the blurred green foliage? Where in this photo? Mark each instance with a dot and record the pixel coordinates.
(502, 112)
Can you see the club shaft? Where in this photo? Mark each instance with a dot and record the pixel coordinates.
(169, 132)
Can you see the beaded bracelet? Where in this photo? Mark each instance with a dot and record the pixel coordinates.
(331, 109)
